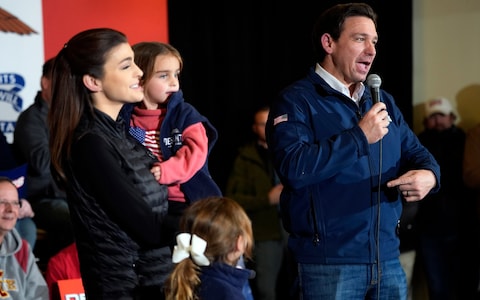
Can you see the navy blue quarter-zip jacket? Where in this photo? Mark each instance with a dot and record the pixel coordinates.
(330, 204)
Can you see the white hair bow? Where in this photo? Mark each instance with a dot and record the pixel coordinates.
(196, 249)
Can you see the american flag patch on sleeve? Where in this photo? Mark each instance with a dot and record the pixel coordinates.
(280, 119)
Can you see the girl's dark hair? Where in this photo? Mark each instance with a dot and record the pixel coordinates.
(47, 67)
(331, 21)
(83, 54)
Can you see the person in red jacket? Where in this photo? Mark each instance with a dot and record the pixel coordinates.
(63, 265)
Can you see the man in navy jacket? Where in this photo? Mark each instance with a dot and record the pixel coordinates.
(346, 162)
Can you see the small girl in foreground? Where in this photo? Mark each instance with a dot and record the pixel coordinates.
(216, 233)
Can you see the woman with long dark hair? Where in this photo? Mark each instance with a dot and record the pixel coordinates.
(118, 209)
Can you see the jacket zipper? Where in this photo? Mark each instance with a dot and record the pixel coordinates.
(316, 235)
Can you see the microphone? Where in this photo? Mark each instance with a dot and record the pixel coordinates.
(374, 82)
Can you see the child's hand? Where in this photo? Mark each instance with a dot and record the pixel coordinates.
(156, 171)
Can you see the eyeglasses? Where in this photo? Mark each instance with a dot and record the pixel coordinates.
(16, 204)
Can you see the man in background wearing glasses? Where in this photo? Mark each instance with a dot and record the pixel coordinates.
(20, 276)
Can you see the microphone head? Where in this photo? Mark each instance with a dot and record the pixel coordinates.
(374, 81)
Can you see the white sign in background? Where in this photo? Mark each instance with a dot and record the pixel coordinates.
(21, 60)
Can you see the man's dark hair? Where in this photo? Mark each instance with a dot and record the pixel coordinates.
(47, 68)
(331, 21)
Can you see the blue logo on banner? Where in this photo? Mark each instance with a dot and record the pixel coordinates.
(7, 126)
(10, 85)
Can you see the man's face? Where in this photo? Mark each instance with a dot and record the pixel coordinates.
(9, 207)
(439, 121)
(259, 125)
(353, 53)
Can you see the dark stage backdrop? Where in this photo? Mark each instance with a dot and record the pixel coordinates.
(239, 54)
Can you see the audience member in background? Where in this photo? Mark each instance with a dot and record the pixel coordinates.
(471, 176)
(216, 233)
(172, 129)
(118, 208)
(20, 276)
(31, 141)
(254, 184)
(63, 265)
(442, 216)
(345, 162)
(10, 168)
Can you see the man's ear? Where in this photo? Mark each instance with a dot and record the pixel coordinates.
(327, 41)
(92, 83)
